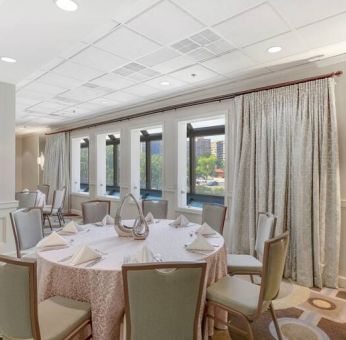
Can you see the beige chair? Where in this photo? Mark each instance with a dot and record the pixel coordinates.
(27, 230)
(214, 215)
(248, 264)
(44, 188)
(95, 211)
(57, 207)
(159, 208)
(163, 300)
(26, 199)
(21, 317)
(246, 300)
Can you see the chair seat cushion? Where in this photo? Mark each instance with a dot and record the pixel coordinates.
(243, 263)
(59, 316)
(236, 294)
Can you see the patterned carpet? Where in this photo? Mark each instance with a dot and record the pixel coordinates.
(304, 314)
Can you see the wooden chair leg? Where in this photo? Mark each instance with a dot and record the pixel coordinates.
(275, 320)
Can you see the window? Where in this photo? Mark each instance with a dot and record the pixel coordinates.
(108, 164)
(84, 165)
(151, 158)
(205, 162)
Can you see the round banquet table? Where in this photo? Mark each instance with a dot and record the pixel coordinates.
(101, 285)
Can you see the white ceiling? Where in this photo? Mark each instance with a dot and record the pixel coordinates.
(112, 54)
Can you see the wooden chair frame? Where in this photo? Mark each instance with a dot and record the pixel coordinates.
(32, 269)
(95, 201)
(158, 266)
(15, 230)
(249, 333)
(224, 213)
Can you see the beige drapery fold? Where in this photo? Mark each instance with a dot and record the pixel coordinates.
(284, 159)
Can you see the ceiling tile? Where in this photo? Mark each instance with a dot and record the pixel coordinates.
(228, 63)
(86, 92)
(166, 23)
(144, 74)
(162, 55)
(326, 32)
(39, 96)
(194, 74)
(40, 87)
(141, 90)
(127, 43)
(219, 46)
(201, 54)
(46, 107)
(98, 59)
(112, 81)
(308, 11)
(257, 24)
(76, 71)
(289, 42)
(205, 37)
(174, 64)
(57, 80)
(172, 83)
(122, 97)
(100, 31)
(214, 11)
(22, 103)
(185, 45)
(68, 53)
(104, 101)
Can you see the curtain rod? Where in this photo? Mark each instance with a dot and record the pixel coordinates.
(201, 101)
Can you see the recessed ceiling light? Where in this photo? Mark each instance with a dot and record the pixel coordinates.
(274, 49)
(165, 83)
(66, 5)
(8, 60)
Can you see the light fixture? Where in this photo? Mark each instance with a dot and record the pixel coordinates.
(8, 60)
(165, 83)
(66, 5)
(40, 161)
(274, 49)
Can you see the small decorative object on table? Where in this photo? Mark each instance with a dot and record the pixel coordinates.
(140, 228)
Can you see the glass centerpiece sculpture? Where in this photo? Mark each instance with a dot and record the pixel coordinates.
(139, 230)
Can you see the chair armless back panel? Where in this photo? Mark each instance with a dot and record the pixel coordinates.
(44, 188)
(265, 230)
(95, 211)
(15, 316)
(214, 215)
(275, 252)
(163, 305)
(26, 199)
(28, 225)
(58, 199)
(158, 208)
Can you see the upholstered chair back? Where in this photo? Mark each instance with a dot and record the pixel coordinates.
(159, 208)
(27, 227)
(266, 223)
(58, 200)
(26, 199)
(214, 215)
(275, 252)
(163, 301)
(95, 211)
(44, 188)
(17, 298)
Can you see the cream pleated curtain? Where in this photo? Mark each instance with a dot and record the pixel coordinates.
(284, 159)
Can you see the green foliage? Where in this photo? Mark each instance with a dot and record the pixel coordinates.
(84, 165)
(206, 166)
(156, 172)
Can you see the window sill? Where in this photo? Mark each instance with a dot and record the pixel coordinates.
(196, 211)
(81, 194)
(108, 197)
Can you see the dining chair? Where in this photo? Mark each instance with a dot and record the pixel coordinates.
(163, 300)
(56, 209)
(44, 188)
(214, 214)
(26, 199)
(252, 265)
(22, 317)
(159, 208)
(247, 300)
(94, 211)
(27, 230)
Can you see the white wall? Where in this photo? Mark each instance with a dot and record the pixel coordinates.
(7, 168)
(169, 121)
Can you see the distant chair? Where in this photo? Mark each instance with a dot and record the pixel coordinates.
(249, 301)
(214, 214)
(56, 209)
(159, 208)
(26, 199)
(44, 188)
(27, 229)
(248, 264)
(22, 317)
(163, 301)
(94, 211)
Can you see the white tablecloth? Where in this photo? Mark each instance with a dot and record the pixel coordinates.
(102, 285)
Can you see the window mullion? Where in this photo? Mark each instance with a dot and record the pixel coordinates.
(148, 164)
(115, 165)
(192, 165)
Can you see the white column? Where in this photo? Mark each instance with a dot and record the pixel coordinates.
(7, 169)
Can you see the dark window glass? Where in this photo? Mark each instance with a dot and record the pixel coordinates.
(84, 165)
(112, 166)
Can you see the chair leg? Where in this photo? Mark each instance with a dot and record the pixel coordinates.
(62, 216)
(275, 320)
(50, 224)
(58, 216)
(251, 277)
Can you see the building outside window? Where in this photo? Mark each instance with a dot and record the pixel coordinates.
(151, 160)
(84, 165)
